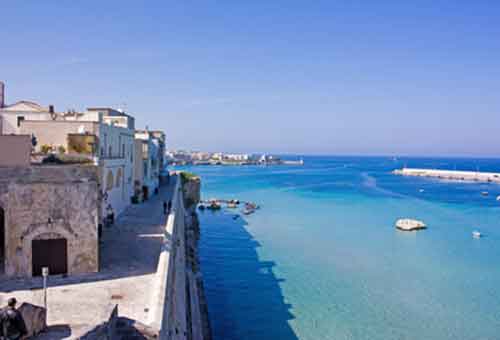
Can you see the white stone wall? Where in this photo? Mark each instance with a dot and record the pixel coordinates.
(9, 120)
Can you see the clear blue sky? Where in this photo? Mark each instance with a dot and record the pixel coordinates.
(336, 77)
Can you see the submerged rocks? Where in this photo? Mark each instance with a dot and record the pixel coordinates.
(408, 224)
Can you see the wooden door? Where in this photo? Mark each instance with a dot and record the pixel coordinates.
(50, 253)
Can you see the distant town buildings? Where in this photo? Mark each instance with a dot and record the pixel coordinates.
(98, 151)
(181, 157)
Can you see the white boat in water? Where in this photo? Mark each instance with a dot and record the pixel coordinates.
(408, 224)
(476, 234)
(498, 198)
(248, 211)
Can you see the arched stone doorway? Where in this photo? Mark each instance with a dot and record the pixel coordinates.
(2, 240)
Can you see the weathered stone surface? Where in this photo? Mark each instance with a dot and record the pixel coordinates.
(191, 191)
(35, 318)
(47, 202)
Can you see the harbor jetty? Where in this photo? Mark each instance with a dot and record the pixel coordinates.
(473, 176)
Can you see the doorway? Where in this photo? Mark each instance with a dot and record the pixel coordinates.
(50, 253)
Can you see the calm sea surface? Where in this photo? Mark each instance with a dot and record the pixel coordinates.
(322, 260)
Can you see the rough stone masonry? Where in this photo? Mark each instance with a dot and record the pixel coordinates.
(52, 210)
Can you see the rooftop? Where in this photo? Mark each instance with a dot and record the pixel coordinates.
(25, 105)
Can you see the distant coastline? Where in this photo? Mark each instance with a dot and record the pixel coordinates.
(177, 158)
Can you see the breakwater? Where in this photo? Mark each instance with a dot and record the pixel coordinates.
(487, 177)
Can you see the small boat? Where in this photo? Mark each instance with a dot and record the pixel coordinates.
(250, 205)
(421, 190)
(476, 234)
(408, 224)
(231, 205)
(201, 207)
(498, 198)
(484, 193)
(248, 211)
(214, 206)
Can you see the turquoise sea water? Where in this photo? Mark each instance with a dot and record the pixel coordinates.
(322, 260)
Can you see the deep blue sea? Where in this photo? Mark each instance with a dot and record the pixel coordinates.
(321, 259)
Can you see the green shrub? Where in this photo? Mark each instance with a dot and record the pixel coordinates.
(45, 148)
(187, 176)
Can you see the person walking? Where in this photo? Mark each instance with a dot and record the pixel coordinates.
(12, 326)
(165, 208)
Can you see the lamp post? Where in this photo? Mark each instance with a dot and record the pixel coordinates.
(45, 274)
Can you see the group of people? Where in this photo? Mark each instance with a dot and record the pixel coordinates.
(12, 326)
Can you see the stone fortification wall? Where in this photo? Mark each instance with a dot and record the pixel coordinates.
(179, 309)
(46, 203)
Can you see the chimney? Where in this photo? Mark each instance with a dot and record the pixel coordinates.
(51, 108)
(2, 94)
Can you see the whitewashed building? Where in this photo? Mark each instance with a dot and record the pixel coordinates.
(103, 135)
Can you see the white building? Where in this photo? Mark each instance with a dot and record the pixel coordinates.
(237, 157)
(103, 135)
(147, 164)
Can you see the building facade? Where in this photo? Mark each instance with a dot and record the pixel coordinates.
(147, 164)
(48, 217)
(104, 136)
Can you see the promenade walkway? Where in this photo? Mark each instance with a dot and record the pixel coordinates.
(129, 254)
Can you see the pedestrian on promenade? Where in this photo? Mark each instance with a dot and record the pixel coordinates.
(165, 208)
(12, 326)
(110, 215)
(169, 205)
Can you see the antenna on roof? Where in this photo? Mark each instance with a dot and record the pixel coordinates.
(123, 107)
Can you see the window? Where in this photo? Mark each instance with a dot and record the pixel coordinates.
(109, 181)
(105, 143)
(119, 177)
(19, 120)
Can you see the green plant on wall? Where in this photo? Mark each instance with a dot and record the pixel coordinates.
(45, 148)
(61, 149)
(187, 176)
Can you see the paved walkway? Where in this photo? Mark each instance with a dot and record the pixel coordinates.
(129, 255)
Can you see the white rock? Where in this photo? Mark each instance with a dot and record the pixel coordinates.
(407, 224)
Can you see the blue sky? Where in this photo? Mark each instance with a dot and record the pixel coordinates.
(324, 77)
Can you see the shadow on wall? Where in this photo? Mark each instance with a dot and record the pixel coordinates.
(244, 297)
